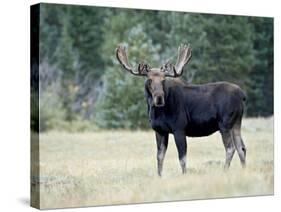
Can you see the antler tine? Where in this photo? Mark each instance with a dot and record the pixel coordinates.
(184, 55)
(123, 60)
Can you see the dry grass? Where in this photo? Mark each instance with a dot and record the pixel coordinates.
(115, 167)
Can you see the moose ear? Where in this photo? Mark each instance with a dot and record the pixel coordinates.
(146, 88)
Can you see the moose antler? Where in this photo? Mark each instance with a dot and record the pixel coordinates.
(121, 55)
(184, 55)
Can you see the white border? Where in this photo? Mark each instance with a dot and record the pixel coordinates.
(14, 93)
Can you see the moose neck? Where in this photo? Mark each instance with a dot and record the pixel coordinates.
(157, 112)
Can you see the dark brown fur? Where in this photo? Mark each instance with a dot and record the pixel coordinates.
(195, 111)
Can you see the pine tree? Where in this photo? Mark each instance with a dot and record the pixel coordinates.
(67, 58)
(260, 79)
(122, 103)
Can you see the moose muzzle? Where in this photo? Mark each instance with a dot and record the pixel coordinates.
(158, 100)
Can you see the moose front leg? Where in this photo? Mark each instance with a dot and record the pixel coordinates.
(180, 139)
(162, 144)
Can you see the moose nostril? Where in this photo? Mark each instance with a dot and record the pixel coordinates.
(159, 101)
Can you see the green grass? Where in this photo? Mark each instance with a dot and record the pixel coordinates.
(115, 167)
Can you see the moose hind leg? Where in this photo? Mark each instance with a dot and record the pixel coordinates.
(180, 140)
(229, 147)
(239, 144)
(162, 144)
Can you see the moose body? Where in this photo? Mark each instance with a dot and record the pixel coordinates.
(182, 109)
(198, 110)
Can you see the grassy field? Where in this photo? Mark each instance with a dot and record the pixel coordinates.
(115, 167)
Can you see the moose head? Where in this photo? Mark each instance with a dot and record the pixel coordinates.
(156, 76)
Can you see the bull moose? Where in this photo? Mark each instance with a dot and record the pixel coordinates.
(184, 109)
